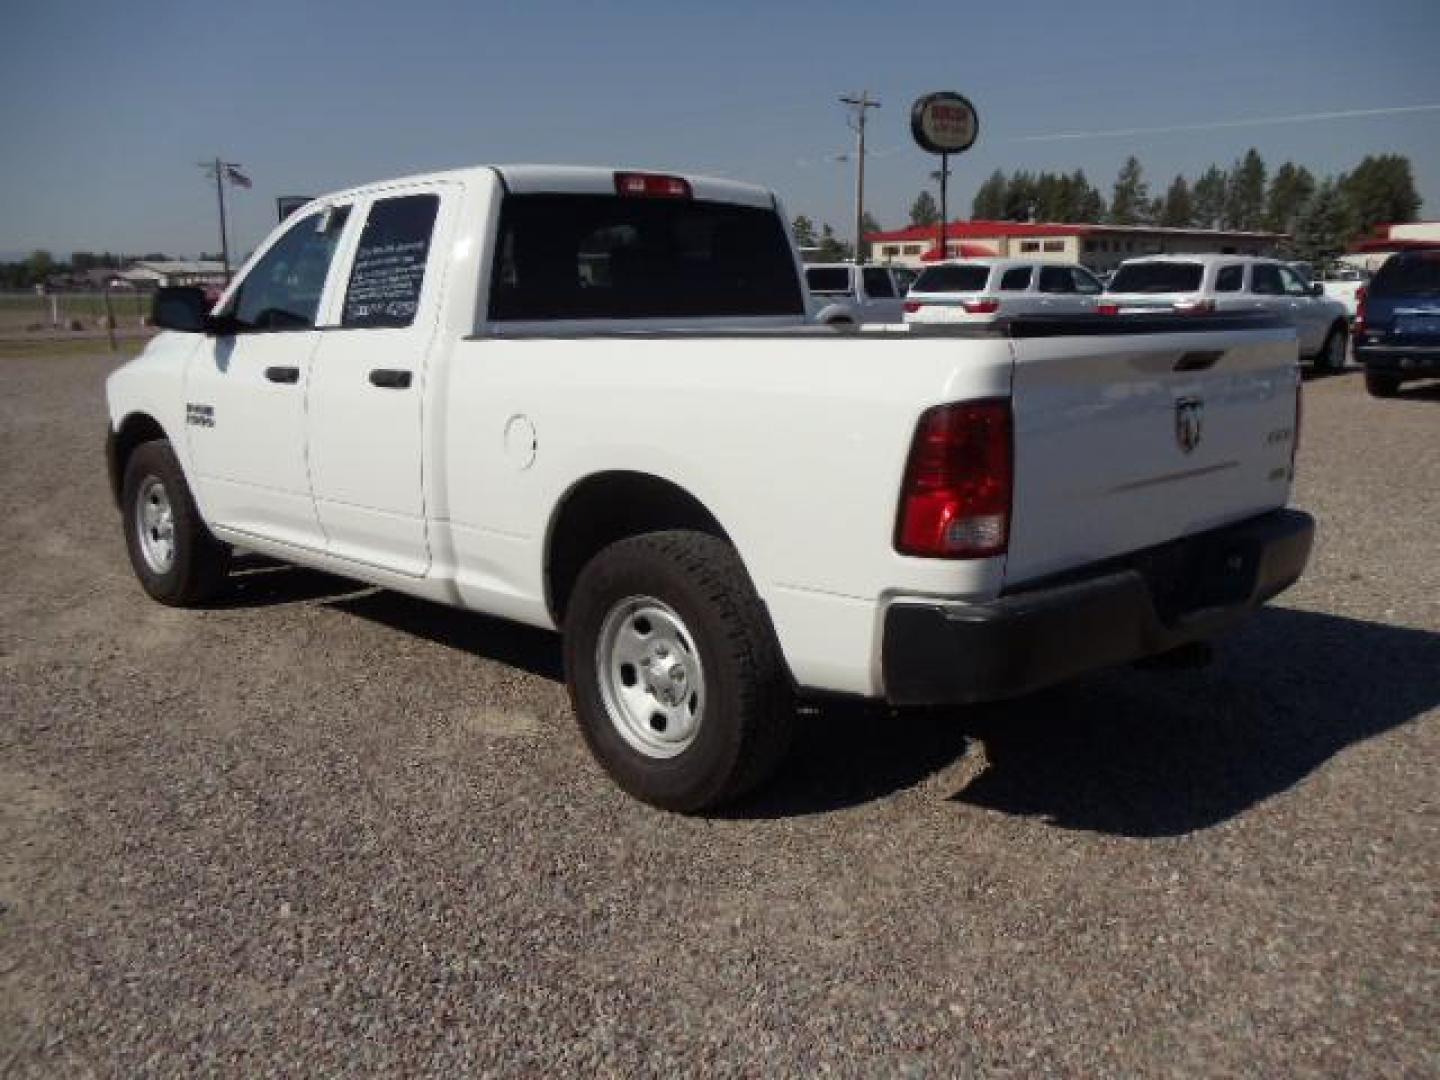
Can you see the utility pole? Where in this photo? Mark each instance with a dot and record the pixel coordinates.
(943, 175)
(859, 106)
(221, 170)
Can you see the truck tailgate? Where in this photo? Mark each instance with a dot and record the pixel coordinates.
(1125, 440)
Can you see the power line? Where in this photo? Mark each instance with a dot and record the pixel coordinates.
(1220, 125)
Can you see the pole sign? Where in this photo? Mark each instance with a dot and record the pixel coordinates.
(944, 123)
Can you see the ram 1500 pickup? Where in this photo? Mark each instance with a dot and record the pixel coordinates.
(588, 400)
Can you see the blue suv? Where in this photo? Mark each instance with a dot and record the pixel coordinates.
(1397, 331)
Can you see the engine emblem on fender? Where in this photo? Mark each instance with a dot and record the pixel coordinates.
(1189, 421)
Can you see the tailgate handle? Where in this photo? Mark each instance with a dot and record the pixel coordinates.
(1199, 361)
(390, 378)
(283, 374)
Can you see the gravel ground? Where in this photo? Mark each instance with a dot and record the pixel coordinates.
(328, 830)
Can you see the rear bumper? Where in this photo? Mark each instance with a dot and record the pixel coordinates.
(1402, 360)
(1120, 611)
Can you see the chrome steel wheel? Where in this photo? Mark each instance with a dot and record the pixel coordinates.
(155, 525)
(651, 679)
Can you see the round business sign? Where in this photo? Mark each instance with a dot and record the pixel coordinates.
(944, 123)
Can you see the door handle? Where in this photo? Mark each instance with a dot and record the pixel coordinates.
(390, 378)
(283, 374)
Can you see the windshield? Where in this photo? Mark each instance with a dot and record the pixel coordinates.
(959, 279)
(1157, 277)
(828, 279)
(1408, 275)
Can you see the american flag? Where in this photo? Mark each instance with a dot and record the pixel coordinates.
(236, 177)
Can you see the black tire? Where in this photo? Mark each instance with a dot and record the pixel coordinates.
(198, 569)
(1381, 385)
(1323, 361)
(745, 727)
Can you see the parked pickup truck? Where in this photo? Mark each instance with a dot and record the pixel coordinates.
(589, 400)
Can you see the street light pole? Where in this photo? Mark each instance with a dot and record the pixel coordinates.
(859, 106)
(224, 237)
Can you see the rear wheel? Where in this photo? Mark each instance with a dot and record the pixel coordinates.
(674, 673)
(174, 555)
(1381, 385)
(1337, 345)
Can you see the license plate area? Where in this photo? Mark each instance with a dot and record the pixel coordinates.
(1206, 572)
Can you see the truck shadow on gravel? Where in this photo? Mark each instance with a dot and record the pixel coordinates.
(1129, 752)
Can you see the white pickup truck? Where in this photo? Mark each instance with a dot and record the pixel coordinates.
(588, 400)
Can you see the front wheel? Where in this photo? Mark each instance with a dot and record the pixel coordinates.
(174, 555)
(674, 673)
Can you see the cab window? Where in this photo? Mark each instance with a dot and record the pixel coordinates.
(1265, 280)
(1293, 283)
(282, 290)
(389, 269)
(1086, 282)
(1229, 278)
(877, 284)
(1056, 279)
(1016, 279)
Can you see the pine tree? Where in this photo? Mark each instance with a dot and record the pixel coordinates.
(1380, 189)
(1089, 203)
(832, 248)
(1021, 197)
(1177, 211)
(989, 201)
(1245, 194)
(1290, 189)
(1130, 201)
(804, 230)
(923, 210)
(1324, 228)
(1209, 198)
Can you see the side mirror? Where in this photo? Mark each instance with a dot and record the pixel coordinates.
(1315, 289)
(180, 307)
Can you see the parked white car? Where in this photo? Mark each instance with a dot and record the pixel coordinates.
(1343, 283)
(983, 290)
(843, 294)
(588, 400)
(1198, 284)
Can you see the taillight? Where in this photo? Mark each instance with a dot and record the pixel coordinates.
(955, 502)
(1362, 295)
(912, 306)
(1107, 309)
(981, 307)
(652, 185)
(1195, 307)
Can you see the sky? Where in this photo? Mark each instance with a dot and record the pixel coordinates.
(106, 108)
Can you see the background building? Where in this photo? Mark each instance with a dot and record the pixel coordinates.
(1100, 247)
(148, 274)
(1370, 251)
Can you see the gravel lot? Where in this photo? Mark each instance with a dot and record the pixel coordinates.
(325, 829)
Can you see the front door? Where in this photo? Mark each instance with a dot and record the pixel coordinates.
(367, 385)
(245, 389)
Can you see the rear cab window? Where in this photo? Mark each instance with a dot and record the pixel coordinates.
(564, 256)
(952, 279)
(1158, 277)
(1230, 278)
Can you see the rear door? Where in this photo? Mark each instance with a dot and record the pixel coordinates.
(367, 386)
(1127, 440)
